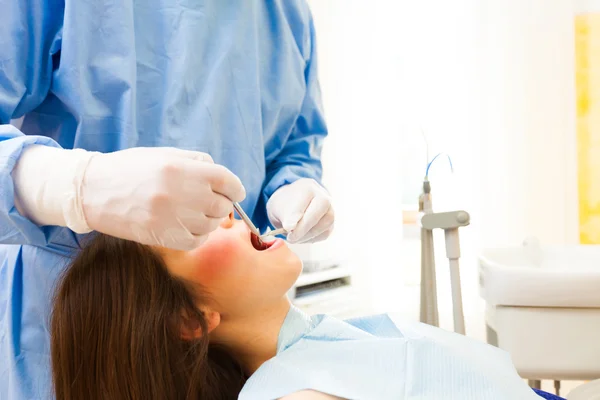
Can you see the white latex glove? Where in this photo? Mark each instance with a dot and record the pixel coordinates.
(303, 209)
(156, 196)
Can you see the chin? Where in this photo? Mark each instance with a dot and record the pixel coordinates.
(282, 266)
(292, 265)
(298, 267)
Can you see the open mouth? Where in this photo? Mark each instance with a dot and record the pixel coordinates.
(258, 244)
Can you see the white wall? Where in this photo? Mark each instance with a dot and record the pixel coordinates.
(587, 5)
(386, 71)
(490, 82)
(528, 122)
(360, 82)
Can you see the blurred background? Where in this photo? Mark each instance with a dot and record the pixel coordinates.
(490, 83)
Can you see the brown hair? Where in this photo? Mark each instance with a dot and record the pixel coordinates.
(116, 331)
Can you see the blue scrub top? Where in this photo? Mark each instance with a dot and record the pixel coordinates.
(236, 79)
(381, 358)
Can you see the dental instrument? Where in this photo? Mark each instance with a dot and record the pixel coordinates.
(280, 231)
(246, 219)
(255, 236)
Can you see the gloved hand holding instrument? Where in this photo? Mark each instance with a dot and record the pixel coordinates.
(155, 196)
(303, 209)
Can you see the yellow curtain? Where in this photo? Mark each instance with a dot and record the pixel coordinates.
(587, 52)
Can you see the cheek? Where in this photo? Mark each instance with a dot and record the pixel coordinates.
(215, 263)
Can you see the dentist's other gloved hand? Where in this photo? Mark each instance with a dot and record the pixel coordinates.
(304, 210)
(156, 196)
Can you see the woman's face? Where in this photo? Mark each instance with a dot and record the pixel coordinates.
(234, 275)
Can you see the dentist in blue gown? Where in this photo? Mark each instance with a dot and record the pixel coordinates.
(145, 120)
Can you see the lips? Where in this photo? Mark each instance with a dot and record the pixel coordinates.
(259, 244)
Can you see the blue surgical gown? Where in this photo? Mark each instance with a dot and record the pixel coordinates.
(236, 79)
(382, 358)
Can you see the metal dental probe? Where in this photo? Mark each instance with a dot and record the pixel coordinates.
(246, 219)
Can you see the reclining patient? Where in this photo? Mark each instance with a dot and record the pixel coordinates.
(134, 322)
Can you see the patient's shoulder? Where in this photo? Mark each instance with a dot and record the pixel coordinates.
(310, 395)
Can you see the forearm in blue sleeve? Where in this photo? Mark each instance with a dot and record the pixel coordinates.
(301, 155)
(14, 227)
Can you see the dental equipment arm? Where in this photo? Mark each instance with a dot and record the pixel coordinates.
(429, 311)
(449, 222)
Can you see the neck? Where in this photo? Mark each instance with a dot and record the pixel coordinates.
(252, 338)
